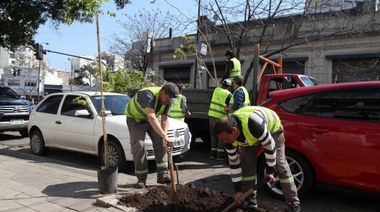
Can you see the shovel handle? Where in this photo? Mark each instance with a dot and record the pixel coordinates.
(171, 169)
(246, 194)
(232, 205)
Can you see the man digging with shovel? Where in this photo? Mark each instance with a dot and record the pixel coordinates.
(249, 127)
(142, 112)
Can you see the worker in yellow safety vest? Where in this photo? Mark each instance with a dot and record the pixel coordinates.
(180, 110)
(233, 66)
(219, 100)
(142, 112)
(250, 128)
(240, 97)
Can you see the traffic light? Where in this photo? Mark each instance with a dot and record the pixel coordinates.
(39, 52)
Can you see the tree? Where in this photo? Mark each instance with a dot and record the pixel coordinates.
(19, 20)
(140, 30)
(85, 74)
(125, 81)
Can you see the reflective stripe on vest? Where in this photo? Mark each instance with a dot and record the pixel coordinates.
(271, 119)
(176, 110)
(237, 68)
(246, 102)
(218, 103)
(138, 113)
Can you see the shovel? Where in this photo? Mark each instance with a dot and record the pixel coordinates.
(172, 176)
(246, 194)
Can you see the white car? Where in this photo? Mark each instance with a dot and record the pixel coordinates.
(73, 121)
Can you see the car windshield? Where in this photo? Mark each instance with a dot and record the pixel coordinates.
(7, 93)
(114, 103)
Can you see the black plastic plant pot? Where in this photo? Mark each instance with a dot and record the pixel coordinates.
(107, 180)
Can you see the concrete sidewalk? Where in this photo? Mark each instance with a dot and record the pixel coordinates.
(33, 183)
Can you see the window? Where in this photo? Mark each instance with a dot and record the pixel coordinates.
(73, 103)
(14, 82)
(354, 104)
(115, 104)
(50, 105)
(296, 105)
(30, 83)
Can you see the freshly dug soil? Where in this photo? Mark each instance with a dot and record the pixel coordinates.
(189, 199)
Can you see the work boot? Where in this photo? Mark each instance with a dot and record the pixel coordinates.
(249, 205)
(221, 158)
(140, 184)
(164, 180)
(294, 207)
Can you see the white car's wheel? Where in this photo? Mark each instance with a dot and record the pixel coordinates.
(37, 144)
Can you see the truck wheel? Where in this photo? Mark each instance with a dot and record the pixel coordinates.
(302, 173)
(205, 136)
(115, 155)
(37, 144)
(24, 133)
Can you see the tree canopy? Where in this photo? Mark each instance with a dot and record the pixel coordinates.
(20, 20)
(140, 31)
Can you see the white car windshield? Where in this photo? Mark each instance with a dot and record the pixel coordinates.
(114, 103)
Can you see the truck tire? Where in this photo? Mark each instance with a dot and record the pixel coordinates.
(37, 144)
(115, 155)
(302, 172)
(205, 136)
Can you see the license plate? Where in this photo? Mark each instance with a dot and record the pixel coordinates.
(16, 121)
(179, 142)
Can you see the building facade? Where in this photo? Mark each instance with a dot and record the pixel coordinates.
(335, 46)
(30, 77)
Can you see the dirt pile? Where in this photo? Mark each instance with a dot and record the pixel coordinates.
(189, 199)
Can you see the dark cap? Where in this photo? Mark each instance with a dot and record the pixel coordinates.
(238, 79)
(230, 53)
(172, 91)
(226, 83)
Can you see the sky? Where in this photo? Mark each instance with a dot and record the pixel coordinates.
(81, 39)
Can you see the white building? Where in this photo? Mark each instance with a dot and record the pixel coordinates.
(114, 62)
(318, 6)
(78, 62)
(20, 70)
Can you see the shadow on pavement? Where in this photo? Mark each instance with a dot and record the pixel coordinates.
(82, 190)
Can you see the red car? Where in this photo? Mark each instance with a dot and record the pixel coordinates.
(332, 135)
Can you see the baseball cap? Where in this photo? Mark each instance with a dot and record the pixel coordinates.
(172, 91)
(229, 52)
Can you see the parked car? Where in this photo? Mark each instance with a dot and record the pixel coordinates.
(73, 121)
(14, 111)
(332, 135)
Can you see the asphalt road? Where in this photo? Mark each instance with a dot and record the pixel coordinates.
(326, 198)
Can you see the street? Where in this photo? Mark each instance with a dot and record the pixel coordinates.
(194, 167)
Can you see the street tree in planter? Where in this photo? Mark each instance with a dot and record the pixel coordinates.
(107, 175)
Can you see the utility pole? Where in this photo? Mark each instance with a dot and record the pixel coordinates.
(39, 80)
